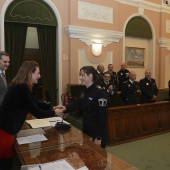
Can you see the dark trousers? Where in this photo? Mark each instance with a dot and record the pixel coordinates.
(6, 164)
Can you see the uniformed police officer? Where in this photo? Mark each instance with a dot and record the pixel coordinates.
(112, 73)
(149, 90)
(110, 88)
(129, 90)
(100, 70)
(122, 75)
(93, 103)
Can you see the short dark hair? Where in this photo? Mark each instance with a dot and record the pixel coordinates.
(3, 53)
(106, 73)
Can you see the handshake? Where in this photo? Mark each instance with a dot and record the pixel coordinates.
(59, 110)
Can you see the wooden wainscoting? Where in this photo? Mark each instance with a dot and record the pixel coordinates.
(129, 123)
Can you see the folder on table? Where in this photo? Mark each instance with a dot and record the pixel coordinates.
(38, 123)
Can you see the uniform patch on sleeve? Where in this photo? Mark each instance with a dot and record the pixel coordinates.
(99, 87)
(102, 102)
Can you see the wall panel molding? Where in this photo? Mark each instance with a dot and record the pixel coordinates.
(95, 12)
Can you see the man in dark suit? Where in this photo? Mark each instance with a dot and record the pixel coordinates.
(112, 73)
(110, 88)
(4, 64)
(100, 70)
(129, 90)
(123, 75)
(149, 90)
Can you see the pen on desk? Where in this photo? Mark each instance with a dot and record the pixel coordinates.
(40, 167)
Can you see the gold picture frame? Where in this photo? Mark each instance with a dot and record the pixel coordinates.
(135, 57)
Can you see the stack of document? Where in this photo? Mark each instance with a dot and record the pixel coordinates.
(57, 165)
(38, 123)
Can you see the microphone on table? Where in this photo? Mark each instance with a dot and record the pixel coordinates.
(61, 125)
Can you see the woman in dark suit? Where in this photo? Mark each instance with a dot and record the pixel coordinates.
(17, 103)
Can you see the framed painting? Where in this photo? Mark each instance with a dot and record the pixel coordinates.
(135, 57)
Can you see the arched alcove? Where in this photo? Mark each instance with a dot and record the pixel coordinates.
(139, 33)
(138, 27)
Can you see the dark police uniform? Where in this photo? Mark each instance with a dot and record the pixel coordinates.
(113, 77)
(148, 89)
(129, 92)
(93, 103)
(122, 77)
(110, 96)
(99, 77)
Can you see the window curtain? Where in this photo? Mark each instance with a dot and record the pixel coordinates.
(47, 46)
(15, 37)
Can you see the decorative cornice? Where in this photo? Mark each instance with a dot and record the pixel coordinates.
(163, 42)
(90, 35)
(146, 5)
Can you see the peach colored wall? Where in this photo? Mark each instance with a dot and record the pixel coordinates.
(156, 20)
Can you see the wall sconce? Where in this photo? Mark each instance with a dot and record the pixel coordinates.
(96, 48)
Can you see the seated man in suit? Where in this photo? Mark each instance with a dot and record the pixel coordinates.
(109, 87)
(112, 73)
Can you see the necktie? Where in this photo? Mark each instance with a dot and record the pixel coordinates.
(4, 78)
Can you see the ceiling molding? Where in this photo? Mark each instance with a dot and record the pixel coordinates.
(146, 5)
(90, 35)
(163, 42)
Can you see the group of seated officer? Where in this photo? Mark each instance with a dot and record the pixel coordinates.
(130, 89)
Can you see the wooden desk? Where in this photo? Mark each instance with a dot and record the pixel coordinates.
(63, 144)
(94, 157)
(55, 137)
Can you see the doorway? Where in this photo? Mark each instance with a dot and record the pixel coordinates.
(36, 53)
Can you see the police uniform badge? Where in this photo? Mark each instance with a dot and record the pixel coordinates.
(99, 87)
(102, 102)
(147, 84)
(121, 74)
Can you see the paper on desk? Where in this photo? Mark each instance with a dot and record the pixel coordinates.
(31, 139)
(54, 120)
(38, 123)
(57, 165)
(30, 132)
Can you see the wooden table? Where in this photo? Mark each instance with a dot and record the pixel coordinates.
(55, 137)
(67, 144)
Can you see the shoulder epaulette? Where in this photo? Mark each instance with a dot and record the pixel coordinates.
(125, 81)
(99, 87)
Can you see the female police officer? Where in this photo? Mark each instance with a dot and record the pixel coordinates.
(93, 103)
